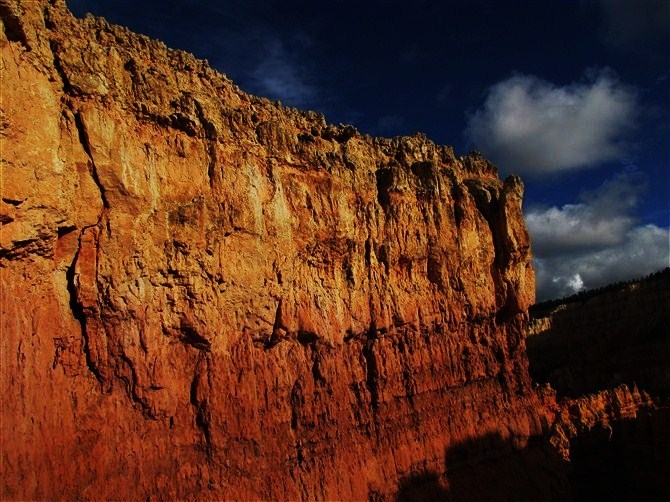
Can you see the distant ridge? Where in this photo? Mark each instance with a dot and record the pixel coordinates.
(587, 294)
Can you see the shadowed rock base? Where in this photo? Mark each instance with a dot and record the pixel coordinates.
(492, 468)
(629, 460)
(607, 354)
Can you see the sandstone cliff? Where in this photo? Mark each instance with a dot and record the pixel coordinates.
(206, 294)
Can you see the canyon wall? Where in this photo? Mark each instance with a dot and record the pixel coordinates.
(607, 354)
(207, 294)
(601, 339)
(616, 444)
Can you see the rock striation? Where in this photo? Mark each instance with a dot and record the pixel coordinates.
(208, 295)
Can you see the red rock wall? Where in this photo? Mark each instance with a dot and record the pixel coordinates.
(208, 294)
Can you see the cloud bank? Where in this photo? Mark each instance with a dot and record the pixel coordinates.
(595, 241)
(531, 126)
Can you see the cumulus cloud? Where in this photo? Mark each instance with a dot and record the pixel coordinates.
(645, 250)
(528, 125)
(595, 241)
(601, 218)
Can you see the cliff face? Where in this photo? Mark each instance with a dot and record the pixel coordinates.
(603, 339)
(608, 355)
(207, 294)
(615, 443)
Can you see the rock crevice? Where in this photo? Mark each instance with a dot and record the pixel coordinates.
(243, 299)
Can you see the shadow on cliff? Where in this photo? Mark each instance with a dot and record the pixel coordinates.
(602, 338)
(492, 468)
(423, 486)
(630, 461)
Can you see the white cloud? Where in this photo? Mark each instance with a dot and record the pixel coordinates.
(528, 125)
(601, 218)
(596, 241)
(644, 250)
(575, 282)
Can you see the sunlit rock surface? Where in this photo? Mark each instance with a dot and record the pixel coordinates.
(206, 294)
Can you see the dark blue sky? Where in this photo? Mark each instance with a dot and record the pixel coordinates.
(573, 95)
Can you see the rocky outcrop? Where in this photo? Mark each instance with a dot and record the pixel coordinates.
(615, 444)
(576, 416)
(206, 294)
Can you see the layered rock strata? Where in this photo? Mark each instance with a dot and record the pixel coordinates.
(207, 294)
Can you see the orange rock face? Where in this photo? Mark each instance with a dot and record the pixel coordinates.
(206, 294)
